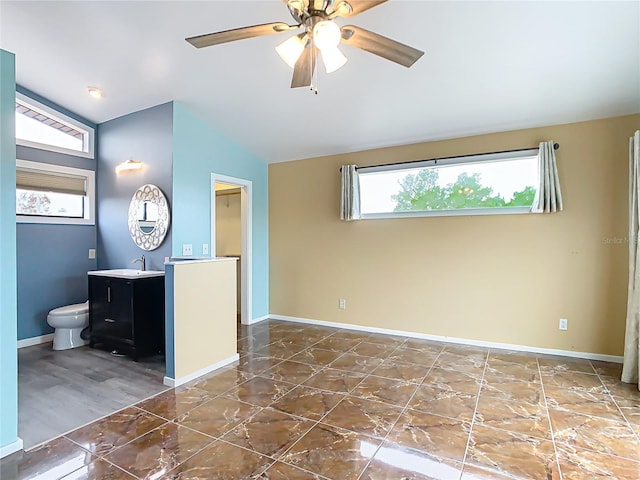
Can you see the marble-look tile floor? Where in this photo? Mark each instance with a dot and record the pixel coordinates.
(309, 402)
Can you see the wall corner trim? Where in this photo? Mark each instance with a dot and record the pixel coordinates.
(259, 319)
(462, 341)
(11, 448)
(28, 342)
(171, 382)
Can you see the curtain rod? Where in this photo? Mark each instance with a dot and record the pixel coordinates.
(556, 146)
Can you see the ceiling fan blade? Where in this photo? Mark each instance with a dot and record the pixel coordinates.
(217, 38)
(359, 6)
(378, 45)
(305, 66)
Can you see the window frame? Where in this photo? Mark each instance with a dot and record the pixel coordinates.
(88, 150)
(460, 160)
(89, 199)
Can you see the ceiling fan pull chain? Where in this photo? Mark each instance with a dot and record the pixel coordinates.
(315, 72)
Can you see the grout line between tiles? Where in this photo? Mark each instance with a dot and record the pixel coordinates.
(636, 434)
(314, 423)
(399, 416)
(317, 422)
(93, 421)
(475, 410)
(102, 455)
(546, 407)
(157, 428)
(119, 468)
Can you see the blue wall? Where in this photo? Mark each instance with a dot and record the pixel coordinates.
(53, 260)
(169, 330)
(145, 136)
(198, 151)
(8, 346)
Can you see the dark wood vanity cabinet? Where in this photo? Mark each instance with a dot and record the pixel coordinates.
(127, 314)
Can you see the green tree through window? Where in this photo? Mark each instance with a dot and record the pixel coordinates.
(419, 192)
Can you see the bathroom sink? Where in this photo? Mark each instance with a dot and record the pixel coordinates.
(127, 273)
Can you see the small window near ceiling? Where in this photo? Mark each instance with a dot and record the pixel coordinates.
(54, 194)
(472, 185)
(39, 126)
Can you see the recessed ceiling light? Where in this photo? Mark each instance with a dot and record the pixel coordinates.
(95, 92)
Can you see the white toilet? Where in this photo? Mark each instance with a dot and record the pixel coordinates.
(69, 321)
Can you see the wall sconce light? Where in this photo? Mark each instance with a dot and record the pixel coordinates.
(129, 165)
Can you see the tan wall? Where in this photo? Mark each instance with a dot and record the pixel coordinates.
(228, 233)
(503, 278)
(204, 314)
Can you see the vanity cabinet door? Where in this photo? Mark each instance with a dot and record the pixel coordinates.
(120, 310)
(110, 308)
(99, 305)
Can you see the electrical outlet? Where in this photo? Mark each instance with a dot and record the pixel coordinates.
(92, 253)
(342, 304)
(205, 249)
(187, 249)
(564, 324)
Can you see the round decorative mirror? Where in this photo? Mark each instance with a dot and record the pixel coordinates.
(148, 217)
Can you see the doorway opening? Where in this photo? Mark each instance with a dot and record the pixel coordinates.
(231, 215)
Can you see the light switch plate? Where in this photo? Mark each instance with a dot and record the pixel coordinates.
(187, 249)
(205, 249)
(92, 253)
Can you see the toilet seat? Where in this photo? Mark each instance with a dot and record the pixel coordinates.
(75, 309)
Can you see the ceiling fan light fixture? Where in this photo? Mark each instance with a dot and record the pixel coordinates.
(291, 49)
(326, 35)
(344, 8)
(296, 4)
(333, 59)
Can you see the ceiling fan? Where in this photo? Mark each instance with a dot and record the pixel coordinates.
(321, 34)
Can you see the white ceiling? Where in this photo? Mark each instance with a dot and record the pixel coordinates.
(488, 66)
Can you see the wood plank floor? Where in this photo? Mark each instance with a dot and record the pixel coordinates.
(61, 390)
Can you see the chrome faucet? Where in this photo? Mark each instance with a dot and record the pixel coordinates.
(143, 265)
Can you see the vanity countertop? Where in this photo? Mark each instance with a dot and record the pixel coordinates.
(127, 273)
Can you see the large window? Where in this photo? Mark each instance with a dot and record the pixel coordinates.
(473, 185)
(54, 194)
(39, 126)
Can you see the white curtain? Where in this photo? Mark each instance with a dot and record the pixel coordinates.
(350, 202)
(632, 336)
(548, 197)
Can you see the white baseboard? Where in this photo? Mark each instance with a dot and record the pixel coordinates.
(28, 342)
(464, 341)
(258, 319)
(171, 382)
(11, 448)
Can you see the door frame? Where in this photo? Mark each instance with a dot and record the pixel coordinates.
(246, 216)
